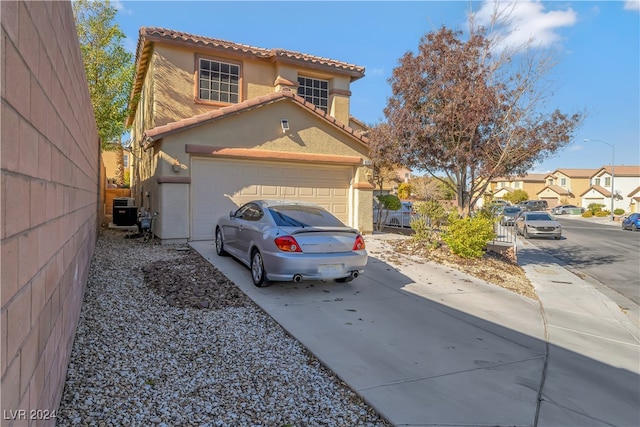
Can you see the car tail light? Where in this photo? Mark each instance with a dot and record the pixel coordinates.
(359, 243)
(287, 244)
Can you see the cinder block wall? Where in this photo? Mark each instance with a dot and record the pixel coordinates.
(50, 199)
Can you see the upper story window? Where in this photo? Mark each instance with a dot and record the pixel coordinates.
(596, 181)
(607, 181)
(315, 91)
(563, 182)
(125, 160)
(550, 181)
(516, 184)
(218, 81)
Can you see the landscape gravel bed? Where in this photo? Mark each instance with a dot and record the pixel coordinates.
(165, 339)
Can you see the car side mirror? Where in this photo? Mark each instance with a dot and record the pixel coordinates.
(231, 214)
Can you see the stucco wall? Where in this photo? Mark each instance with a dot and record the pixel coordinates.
(50, 200)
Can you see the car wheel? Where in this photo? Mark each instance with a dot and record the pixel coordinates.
(220, 243)
(557, 237)
(257, 269)
(634, 227)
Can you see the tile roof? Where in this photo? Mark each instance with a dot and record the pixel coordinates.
(619, 170)
(560, 191)
(152, 135)
(575, 173)
(163, 34)
(526, 178)
(599, 189)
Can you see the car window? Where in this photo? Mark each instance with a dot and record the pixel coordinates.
(539, 217)
(511, 210)
(249, 212)
(303, 216)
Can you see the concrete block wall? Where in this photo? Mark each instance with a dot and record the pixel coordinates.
(49, 162)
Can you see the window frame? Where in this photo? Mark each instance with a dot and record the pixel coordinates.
(198, 81)
(310, 98)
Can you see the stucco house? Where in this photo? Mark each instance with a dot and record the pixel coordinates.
(215, 124)
(626, 182)
(566, 186)
(530, 183)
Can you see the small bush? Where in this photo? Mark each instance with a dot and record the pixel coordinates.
(431, 216)
(468, 237)
(587, 214)
(619, 211)
(602, 214)
(595, 207)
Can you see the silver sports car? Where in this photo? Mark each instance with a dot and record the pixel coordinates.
(291, 241)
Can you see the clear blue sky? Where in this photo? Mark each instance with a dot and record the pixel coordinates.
(597, 43)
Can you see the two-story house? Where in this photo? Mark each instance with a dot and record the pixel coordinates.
(565, 186)
(623, 180)
(531, 184)
(216, 124)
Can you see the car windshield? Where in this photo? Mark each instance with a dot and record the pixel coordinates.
(539, 217)
(511, 210)
(303, 216)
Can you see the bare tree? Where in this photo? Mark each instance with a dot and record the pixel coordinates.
(470, 111)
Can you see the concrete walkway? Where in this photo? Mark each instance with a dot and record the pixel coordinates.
(426, 345)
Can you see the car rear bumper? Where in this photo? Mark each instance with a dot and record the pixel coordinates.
(283, 266)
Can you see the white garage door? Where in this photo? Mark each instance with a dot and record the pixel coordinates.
(219, 186)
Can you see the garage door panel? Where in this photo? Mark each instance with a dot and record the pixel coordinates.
(219, 186)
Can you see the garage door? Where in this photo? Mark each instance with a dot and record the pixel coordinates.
(219, 186)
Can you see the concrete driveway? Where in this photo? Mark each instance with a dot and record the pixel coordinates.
(427, 345)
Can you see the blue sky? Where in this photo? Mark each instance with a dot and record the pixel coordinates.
(596, 42)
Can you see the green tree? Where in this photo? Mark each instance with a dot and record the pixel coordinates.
(516, 197)
(404, 190)
(109, 68)
(462, 107)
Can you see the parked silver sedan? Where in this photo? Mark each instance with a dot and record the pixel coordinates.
(291, 241)
(537, 224)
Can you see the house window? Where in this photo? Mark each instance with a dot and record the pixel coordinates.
(563, 182)
(125, 160)
(550, 181)
(607, 181)
(596, 181)
(315, 91)
(516, 184)
(218, 81)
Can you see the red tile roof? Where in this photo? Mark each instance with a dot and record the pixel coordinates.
(167, 35)
(152, 135)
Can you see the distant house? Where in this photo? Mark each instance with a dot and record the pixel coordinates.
(565, 186)
(216, 124)
(530, 184)
(625, 181)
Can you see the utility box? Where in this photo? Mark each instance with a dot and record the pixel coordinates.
(125, 215)
(123, 201)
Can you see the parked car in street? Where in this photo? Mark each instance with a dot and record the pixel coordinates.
(399, 218)
(631, 222)
(537, 224)
(290, 241)
(509, 214)
(567, 209)
(535, 205)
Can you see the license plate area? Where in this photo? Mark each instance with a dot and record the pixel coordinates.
(329, 269)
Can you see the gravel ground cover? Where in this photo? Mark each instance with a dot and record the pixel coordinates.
(165, 339)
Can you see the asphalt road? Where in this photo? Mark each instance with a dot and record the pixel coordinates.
(605, 253)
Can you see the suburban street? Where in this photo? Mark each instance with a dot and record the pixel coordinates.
(604, 252)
